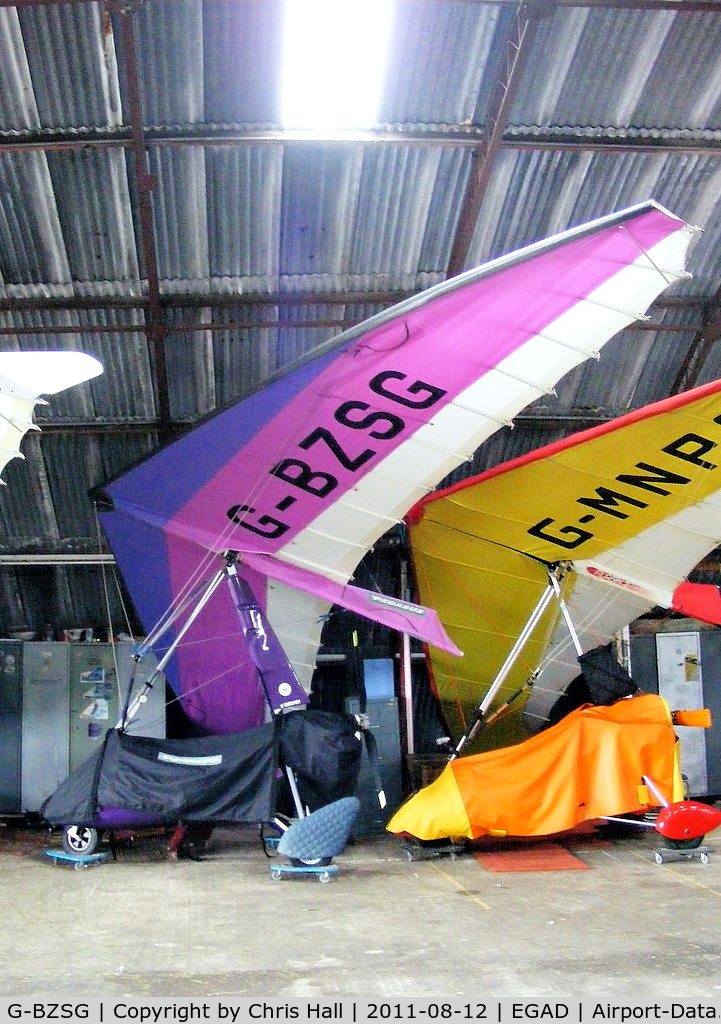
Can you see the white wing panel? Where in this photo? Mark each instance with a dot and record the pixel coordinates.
(26, 375)
(638, 575)
(297, 618)
(340, 536)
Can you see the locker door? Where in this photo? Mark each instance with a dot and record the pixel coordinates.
(94, 703)
(11, 704)
(45, 747)
(680, 682)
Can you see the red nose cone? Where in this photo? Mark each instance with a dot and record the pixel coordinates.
(687, 819)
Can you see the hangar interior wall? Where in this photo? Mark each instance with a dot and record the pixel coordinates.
(681, 660)
(57, 701)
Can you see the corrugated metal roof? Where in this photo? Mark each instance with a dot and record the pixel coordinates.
(623, 69)
(442, 63)
(265, 243)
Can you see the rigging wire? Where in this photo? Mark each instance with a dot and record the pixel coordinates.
(106, 595)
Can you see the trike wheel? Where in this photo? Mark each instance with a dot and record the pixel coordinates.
(80, 840)
(683, 844)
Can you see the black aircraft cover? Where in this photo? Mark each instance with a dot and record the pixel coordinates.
(323, 748)
(210, 778)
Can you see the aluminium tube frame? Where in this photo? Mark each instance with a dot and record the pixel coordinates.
(553, 589)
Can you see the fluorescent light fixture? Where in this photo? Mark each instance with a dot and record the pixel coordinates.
(334, 62)
(45, 373)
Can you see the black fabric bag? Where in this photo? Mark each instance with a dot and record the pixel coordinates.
(323, 748)
(603, 680)
(209, 778)
(607, 680)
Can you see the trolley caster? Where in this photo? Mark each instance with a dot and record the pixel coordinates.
(666, 855)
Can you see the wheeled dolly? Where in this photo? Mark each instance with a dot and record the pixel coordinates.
(270, 845)
(79, 861)
(322, 872)
(429, 851)
(310, 843)
(667, 855)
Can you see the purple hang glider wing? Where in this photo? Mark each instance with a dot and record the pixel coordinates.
(303, 476)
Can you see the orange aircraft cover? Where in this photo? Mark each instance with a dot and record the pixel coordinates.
(590, 765)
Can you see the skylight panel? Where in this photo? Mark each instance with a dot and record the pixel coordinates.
(334, 63)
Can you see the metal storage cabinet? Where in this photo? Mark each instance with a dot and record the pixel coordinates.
(11, 706)
(99, 678)
(57, 701)
(45, 705)
(684, 665)
(94, 699)
(382, 708)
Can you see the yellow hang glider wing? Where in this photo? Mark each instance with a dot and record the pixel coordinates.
(618, 516)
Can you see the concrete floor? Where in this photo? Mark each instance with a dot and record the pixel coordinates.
(143, 926)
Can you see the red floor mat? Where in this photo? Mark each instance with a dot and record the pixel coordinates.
(536, 857)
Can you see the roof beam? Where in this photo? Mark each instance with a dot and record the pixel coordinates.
(58, 559)
(454, 137)
(338, 324)
(224, 300)
(516, 53)
(145, 184)
(681, 6)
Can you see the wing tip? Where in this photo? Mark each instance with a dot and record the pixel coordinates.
(698, 601)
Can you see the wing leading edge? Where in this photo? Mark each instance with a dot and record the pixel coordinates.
(302, 477)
